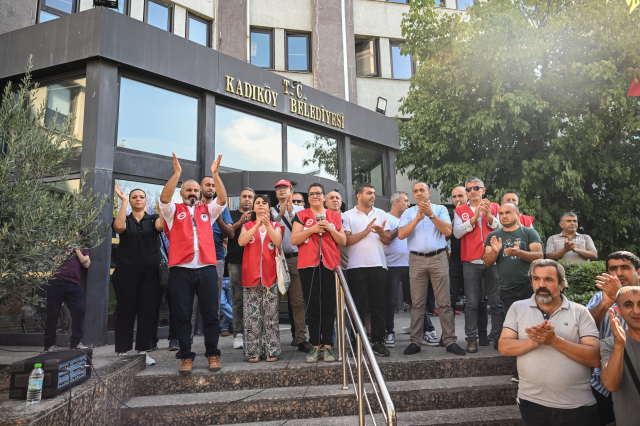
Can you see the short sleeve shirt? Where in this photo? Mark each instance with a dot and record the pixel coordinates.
(71, 269)
(218, 236)
(626, 399)
(513, 270)
(234, 250)
(425, 237)
(368, 252)
(572, 322)
(397, 252)
(583, 242)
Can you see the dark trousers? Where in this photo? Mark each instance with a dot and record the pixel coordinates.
(319, 288)
(137, 295)
(59, 291)
(370, 283)
(428, 325)
(395, 276)
(456, 278)
(184, 284)
(522, 291)
(538, 415)
(476, 278)
(172, 321)
(605, 407)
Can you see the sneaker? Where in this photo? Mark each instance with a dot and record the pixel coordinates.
(433, 334)
(412, 349)
(79, 346)
(380, 350)
(406, 329)
(390, 341)
(224, 333)
(455, 349)
(436, 313)
(312, 356)
(429, 340)
(149, 360)
(52, 348)
(515, 378)
(458, 312)
(237, 341)
(122, 353)
(328, 355)
(173, 345)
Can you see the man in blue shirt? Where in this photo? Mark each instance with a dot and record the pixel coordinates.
(426, 226)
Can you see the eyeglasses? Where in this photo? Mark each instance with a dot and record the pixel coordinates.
(297, 201)
(316, 194)
(475, 188)
(278, 188)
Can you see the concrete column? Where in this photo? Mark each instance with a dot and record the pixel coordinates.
(232, 25)
(16, 14)
(99, 136)
(278, 49)
(209, 134)
(179, 20)
(385, 58)
(344, 167)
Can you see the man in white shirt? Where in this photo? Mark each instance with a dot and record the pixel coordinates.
(192, 260)
(284, 212)
(367, 232)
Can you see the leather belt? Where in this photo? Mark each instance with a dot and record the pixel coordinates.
(290, 255)
(430, 254)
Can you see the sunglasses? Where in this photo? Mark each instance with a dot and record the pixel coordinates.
(474, 188)
(278, 188)
(297, 201)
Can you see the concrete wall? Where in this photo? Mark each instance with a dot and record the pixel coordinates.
(378, 18)
(370, 88)
(204, 8)
(232, 25)
(16, 14)
(294, 15)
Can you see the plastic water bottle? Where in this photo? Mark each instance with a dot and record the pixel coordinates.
(34, 391)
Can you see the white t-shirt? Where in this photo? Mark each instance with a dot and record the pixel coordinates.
(169, 212)
(369, 252)
(397, 253)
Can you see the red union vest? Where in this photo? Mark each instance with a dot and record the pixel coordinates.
(308, 250)
(259, 261)
(181, 236)
(472, 243)
(527, 221)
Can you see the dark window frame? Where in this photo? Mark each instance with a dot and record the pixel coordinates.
(376, 42)
(383, 167)
(200, 19)
(287, 34)
(399, 2)
(42, 6)
(413, 63)
(126, 11)
(170, 7)
(271, 43)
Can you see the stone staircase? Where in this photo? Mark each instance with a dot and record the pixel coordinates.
(432, 388)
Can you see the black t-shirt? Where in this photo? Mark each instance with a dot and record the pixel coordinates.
(455, 243)
(139, 250)
(234, 251)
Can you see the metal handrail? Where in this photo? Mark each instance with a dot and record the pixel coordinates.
(345, 300)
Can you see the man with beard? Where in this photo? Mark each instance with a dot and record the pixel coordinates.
(569, 244)
(623, 269)
(234, 263)
(334, 203)
(556, 343)
(192, 260)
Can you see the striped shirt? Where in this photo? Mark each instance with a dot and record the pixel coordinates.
(605, 331)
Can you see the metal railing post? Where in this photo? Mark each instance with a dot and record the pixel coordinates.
(338, 318)
(343, 337)
(360, 393)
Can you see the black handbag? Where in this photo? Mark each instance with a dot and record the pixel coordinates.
(163, 268)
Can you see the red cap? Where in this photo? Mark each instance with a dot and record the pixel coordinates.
(283, 182)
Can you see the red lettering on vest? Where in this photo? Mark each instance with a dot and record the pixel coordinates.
(471, 243)
(308, 251)
(181, 236)
(259, 260)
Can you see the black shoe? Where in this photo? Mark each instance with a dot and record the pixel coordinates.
(293, 341)
(153, 347)
(455, 349)
(515, 378)
(495, 344)
(412, 349)
(484, 341)
(173, 345)
(305, 347)
(380, 350)
(441, 342)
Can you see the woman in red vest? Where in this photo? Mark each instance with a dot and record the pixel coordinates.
(260, 237)
(316, 271)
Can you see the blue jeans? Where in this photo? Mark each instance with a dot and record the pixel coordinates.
(225, 304)
(185, 283)
(428, 325)
(474, 274)
(395, 276)
(59, 291)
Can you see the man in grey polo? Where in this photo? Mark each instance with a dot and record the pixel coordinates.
(569, 244)
(556, 343)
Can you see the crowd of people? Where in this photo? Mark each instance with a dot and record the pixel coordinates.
(570, 358)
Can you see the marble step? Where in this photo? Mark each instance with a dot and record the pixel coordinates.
(507, 415)
(308, 402)
(165, 380)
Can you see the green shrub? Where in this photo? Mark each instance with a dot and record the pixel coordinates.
(581, 280)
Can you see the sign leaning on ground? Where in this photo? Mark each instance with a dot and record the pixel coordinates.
(269, 97)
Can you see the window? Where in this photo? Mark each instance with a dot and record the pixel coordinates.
(465, 4)
(311, 154)
(156, 120)
(198, 29)
(66, 97)
(367, 58)
(401, 65)
(366, 166)
(158, 14)
(399, 1)
(247, 142)
(297, 48)
(53, 9)
(123, 7)
(262, 48)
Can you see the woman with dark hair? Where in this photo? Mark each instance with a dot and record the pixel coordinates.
(316, 269)
(260, 237)
(136, 278)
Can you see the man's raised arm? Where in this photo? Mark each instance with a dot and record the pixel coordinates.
(170, 187)
(221, 192)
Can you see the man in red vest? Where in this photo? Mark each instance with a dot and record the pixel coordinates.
(472, 223)
(511, 196)
(192, 262)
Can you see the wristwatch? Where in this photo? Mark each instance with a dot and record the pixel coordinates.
(433, 216)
